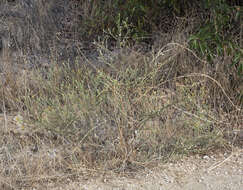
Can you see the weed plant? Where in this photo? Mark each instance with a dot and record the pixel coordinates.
(132, 111)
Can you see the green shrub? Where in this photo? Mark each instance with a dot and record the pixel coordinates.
(215, 36)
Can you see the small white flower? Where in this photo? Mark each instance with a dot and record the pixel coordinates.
(19, 121)
(52, 153)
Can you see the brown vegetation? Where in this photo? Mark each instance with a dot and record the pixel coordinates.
(116, 110)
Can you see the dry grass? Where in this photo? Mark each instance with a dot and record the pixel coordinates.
(83, 120)
(131, 112)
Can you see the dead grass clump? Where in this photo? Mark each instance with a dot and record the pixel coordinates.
(125, 116)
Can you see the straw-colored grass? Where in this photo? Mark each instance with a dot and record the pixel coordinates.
(79, 120)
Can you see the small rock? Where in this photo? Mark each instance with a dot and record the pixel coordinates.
(206, 157)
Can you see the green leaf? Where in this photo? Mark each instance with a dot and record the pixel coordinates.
(237, 16)
(240, 69)
(236, 59)
(192, 37)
